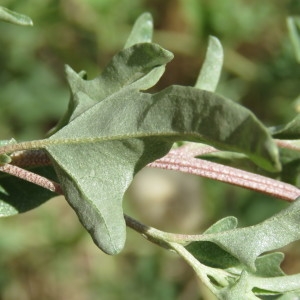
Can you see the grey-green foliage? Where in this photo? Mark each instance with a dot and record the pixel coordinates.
(113, 130)
(238, 252)
(97, 153)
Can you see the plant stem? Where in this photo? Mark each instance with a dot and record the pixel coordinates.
(32, 177)
(28, 145)
(183, 160)
(30, 158)
(179, 159)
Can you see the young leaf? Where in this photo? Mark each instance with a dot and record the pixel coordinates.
(248, 243)
(13, 17)
(211, 70)
(249, 285)
(125, 69)
(142, 31)
(240, 290)
(266, 280)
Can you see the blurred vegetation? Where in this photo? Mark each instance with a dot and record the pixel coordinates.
(45, 254)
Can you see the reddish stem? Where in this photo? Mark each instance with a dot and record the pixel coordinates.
(181, 159)
(32, 177)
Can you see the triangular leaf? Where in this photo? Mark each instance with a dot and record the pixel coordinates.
(121, 134)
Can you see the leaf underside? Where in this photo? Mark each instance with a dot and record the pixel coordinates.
(97, 154)
(112, 130)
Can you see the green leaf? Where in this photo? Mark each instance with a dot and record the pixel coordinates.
(250, 285)
(288, 131)
(142, 31)
(248, 243)
(211, 70)
(97, 154)
(242, 289)
(210, 254)
(224, 224)
(125, 69)
(266, 280)
(18, 196)
(13, 17)
(240, 282)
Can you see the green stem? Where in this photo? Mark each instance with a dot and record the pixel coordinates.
(158, 235)
(29, 145)
(154, 235)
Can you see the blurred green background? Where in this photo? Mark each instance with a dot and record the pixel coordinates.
(45, 254)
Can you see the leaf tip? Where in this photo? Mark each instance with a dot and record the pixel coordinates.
(108, 244)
